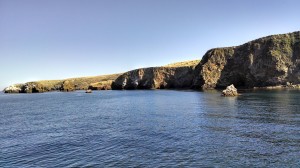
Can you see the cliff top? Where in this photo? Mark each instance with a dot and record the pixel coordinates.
(184, 63)
(276, 37)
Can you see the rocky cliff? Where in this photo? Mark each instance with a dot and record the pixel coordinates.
(103, 85)
(268, 61)
(30, 87)
(265, 62)
(156, 78)
(65, 85)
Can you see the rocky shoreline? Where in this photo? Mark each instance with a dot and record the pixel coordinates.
(278, 87)
(271, 62)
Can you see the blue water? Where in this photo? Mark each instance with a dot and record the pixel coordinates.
(160, 128)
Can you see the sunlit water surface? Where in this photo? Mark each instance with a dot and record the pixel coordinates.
(160, 128)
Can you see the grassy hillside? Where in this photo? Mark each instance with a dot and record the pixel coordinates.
(184, 63)
(101, 82)
(81, 83)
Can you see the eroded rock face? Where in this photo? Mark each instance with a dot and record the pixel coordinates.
(33, 87)
(208, 71)
(155, 78)
(67, 86)
(269, 61)
(230, 91)
(13, 89)
(30, 87)
(104, 85)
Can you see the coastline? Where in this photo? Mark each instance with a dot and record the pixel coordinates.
(269, 62)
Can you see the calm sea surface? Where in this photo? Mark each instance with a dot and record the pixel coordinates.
(160, 128)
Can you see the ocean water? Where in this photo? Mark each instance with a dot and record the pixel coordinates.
(156, 128)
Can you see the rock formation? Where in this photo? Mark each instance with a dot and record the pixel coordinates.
(67, 86)
(155, 78)
(13, 89)
(268, 61)
(33, 87)
(30, 87)
(230, 91)
(104, 85)
(88, 91)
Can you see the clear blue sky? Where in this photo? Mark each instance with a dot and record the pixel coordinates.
(55, 39)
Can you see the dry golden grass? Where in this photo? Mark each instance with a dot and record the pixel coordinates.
(184, 63)
(82, 83)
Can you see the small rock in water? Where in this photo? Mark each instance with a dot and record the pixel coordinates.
(88, 91)
(230, 91)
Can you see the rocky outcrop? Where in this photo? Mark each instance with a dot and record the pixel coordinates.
(104, 85)
(208, 71)
(13, 89)
(67, 86)
(230, 91)
(286, 86)
(88, 91)
(33, 87)
(30, 87)
(155, 78)
(268, 61)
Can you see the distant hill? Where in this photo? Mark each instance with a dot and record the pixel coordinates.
(101, 82)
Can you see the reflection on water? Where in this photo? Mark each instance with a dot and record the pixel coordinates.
(150, 128)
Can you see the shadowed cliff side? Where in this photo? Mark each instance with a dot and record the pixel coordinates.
(269, 61)
(156, 78)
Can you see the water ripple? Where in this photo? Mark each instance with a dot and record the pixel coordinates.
(150, 129)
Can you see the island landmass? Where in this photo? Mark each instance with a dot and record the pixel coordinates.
(268, 62)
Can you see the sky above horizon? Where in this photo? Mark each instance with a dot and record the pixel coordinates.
(45, 39)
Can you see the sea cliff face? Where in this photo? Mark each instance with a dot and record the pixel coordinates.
(30, 87)
(65, 85)
(266, 62)
(156, 78)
